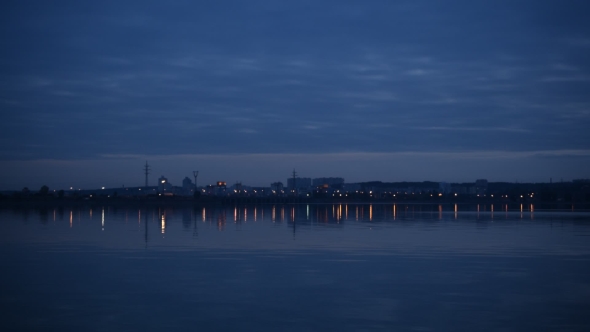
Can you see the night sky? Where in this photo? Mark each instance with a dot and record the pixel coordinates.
(248, 90)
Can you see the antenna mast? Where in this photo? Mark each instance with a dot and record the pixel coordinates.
(146, 169)
(195, 174)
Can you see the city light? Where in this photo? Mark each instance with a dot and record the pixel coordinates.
(376, 192)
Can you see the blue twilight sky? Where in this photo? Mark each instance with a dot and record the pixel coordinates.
(248, 90)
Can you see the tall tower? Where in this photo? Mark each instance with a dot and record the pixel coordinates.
(146, 169)
(294, 183)
(195, 174)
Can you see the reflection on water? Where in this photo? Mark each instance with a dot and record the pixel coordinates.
(296, 267)
(396, 220)
(305, 213)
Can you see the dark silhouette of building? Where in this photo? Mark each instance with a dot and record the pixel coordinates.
(164, 184)
(481, 186)
(300, 182)
(331, 182)
(187, 184)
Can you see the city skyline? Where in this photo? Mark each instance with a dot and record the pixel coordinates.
(176, 179)
(246, 91)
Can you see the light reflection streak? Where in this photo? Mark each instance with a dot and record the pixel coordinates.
(290, 213)
(221, 217)
(145, 221)
(90, 213)
(195, 228)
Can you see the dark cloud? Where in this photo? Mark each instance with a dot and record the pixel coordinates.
(80, 80)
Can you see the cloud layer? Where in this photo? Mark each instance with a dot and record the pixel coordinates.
(81, 80)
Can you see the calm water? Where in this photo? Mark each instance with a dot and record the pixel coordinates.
(296, 268)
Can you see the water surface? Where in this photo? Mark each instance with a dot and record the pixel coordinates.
(296, 267)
